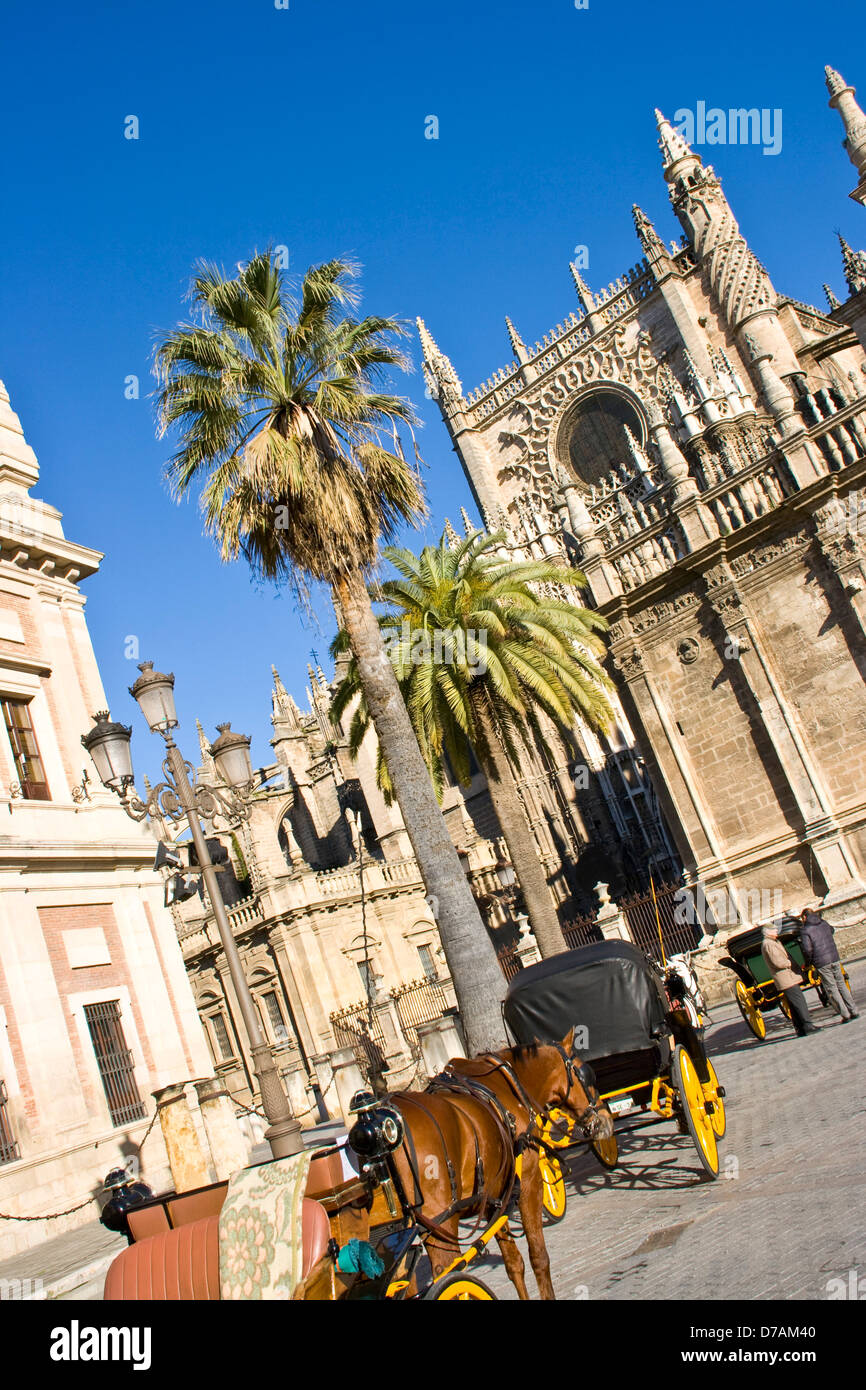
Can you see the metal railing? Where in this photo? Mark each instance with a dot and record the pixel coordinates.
(581, 931)
(643, 925)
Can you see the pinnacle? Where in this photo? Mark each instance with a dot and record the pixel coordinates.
(671, 143)
(835, 81)
(517, 343)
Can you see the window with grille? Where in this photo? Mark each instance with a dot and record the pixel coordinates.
(223, 1041)
(9, 1150)
(275, 1016)
(25, 750)
(114, 1060)
(368, 978)
(428, 964)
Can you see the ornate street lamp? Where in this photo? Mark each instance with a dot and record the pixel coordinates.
(180, 797)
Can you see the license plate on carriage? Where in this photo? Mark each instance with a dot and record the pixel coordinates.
(619, 1107)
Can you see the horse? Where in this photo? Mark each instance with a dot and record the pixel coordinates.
(462, 1137)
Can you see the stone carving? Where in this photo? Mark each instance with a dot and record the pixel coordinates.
(689, 650)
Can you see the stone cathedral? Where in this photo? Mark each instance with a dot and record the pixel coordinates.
(695, 441)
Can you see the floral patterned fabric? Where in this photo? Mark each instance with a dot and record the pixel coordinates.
(260, 1230)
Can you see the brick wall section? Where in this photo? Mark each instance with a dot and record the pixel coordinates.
(56, 920)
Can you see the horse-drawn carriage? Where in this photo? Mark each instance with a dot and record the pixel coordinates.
(755, 990)
(647, 1056)
(596, 1036)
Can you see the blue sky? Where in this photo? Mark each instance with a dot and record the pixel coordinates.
(305, 127)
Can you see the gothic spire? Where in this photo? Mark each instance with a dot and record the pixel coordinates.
(854, 266)
(451, 535)
(671, 143)
(646, 232)
(833, 302)
(442, 381)
(468, 527)
(518, 346)
(854, 121)
(583, 291)
(203, 744)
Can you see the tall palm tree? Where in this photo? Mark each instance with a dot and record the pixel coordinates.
(284, 420)
(481, 648)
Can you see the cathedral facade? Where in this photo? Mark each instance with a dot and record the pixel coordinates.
(694, 440)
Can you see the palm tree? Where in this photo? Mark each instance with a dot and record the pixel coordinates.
(481, 647)
(284, 420)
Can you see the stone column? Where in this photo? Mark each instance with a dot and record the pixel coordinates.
(439, 1042)
(348, 1079)
(395, 1050)
(189, 1166)
(699, 840)
(821, 832)
(842, 550)
(612, 923)
(793, 446)
(527, 947)
(227, 1145)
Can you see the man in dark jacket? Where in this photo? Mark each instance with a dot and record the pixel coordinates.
(819, 949)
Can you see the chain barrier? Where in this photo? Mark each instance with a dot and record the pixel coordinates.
(56, 1215)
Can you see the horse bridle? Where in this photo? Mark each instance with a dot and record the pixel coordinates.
(584, 1074)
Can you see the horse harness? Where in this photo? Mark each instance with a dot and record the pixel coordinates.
(457, 1083)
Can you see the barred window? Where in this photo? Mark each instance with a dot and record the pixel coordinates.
(25, 750)
(221, 1033)
(428, 964)
(115, 1062)
(275, 1016)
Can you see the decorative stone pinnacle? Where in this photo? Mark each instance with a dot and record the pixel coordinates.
(835, 81)
(583, 291)
(517, 344)
(854, 266)
(451, 535)
(646, 232)
(671, 143)
(833, 302)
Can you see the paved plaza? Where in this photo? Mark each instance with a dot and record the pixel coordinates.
(791, 1216)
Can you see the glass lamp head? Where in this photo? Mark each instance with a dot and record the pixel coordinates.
(154, 692)
(108, 745)
(231, 755)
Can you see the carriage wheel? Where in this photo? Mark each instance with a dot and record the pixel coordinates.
(785, 1007)
(553, 1195)
(462, 1288)
(694, 1111)
(718, 1119)
(606, 1151)
(847, 981)
(754, 1018)
(823, 996)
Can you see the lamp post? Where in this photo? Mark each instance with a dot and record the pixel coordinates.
(181, 796)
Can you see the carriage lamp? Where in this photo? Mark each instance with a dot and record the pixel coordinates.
(108, 745)
(154, 693)
(231, 755)
(374, 1136)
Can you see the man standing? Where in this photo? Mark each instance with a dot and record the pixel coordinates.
(820, 950)
(781, 968)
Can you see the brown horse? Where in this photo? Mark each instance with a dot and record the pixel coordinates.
(463, 1135)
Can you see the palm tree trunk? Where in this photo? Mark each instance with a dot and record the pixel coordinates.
(478, 981)
(517, 833)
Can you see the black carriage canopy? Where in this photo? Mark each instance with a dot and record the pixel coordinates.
(608, 989)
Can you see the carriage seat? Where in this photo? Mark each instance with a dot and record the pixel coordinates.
(183, 1264)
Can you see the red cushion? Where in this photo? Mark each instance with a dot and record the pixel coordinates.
(184, 1264)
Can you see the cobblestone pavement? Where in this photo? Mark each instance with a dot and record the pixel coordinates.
(790, 1216)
